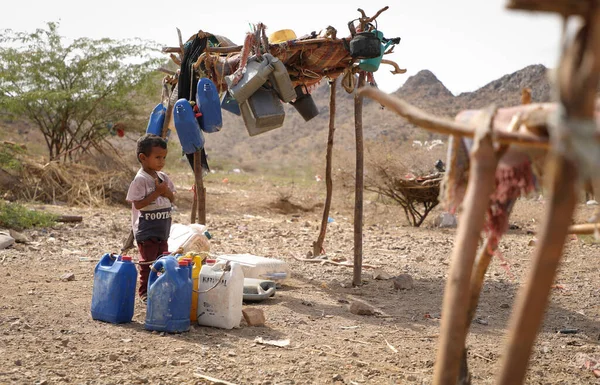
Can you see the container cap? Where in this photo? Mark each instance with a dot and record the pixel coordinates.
(126, 258)
(183, 262)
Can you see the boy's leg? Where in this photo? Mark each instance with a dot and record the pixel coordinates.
(150, 250)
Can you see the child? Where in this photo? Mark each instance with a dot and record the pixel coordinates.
(151, 195)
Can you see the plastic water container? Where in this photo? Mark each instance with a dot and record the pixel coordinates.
(209, 104)
(190, 238)
(256, 74)
(195, 266)
(262, 112)
(255, 266)
(187, 127)
(113, 295)
(220, 295)
(280, 79)
(228, 103)
(258, 289)
(169, 296)
(304, 103)
(157, 120)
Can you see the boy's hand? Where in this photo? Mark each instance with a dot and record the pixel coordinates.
(161, 187)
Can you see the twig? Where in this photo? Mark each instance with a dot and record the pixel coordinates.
(212, 379)
(392, 348)
(482, 357)
(324, 261)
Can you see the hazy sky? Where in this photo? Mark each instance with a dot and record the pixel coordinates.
(465, 43)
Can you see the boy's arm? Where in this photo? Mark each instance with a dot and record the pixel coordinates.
(147, 200)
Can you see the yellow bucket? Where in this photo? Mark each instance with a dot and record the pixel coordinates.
(281, 36)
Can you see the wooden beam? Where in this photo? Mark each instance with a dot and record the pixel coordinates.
(359, 184)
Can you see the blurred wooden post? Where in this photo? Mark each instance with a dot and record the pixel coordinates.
(359, 185)
(318, 245)
(200, 196)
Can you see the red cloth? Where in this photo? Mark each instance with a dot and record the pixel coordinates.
(150, 250)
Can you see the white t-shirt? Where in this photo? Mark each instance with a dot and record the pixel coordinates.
(157, 215)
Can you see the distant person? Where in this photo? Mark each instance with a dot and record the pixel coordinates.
(151, 195)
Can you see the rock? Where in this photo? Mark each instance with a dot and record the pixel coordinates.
(67, 277)
(592, 203)
(403, 282)
(19, 237)
(6, 241)
(504, 306)
(361, 308)
(532, 242)
(18, 362)
(338, 377)
(254, 316)
(113, 357)
(446, 221)
(380, 274)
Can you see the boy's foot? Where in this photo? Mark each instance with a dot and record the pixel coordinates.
(144, 298)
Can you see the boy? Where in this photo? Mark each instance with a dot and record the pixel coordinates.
(151, 195)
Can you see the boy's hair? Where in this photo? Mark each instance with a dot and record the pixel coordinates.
(147, 142)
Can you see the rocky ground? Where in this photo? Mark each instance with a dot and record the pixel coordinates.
(47, 335)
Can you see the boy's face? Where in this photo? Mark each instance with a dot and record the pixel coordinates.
(156, 160)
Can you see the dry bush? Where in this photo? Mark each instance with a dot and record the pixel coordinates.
(98, 179)
(402, 173)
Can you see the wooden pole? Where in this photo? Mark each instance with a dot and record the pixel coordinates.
(200, 190)
(480, 186)
(359, 185)
(533, 298)
(318, 245)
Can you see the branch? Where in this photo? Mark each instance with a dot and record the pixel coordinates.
(446, 126)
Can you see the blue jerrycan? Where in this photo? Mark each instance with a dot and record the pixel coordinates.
(169, 296)
(209, 104)
(113, 295)
(187, 127)
(157, 120)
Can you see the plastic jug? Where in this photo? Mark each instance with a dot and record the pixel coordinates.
(256, 74)
(195, 266)
(169, 296)
(228, 103)
(304, 103)
(157, 120)
(280, 79)
(113, 295)
(255, 266)
(187, 127)
(258, 289)
(209, 104)
(372, 64)
(188, 238)
(220, 295)
(262, 112)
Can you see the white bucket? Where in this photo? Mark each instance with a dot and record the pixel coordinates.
(260, 267)
(220, 295)
(189, 237)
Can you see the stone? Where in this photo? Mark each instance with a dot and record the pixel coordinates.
(532, 242)
(19, 237)
(338, 377)
(381, 275)
(113, 357)
(404, 282)
(67, 277)
(6, 241)
(361, 308)
(254, 316)
(446, 221)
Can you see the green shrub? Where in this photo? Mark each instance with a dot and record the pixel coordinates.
(8, 156)
(18, 217)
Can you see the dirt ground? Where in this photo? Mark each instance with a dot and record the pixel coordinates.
(47, 335)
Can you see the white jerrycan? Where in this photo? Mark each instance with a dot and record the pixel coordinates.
(220, 295)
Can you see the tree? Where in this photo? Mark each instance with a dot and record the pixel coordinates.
(74, 93)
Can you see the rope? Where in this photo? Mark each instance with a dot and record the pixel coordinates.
(225, 269)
